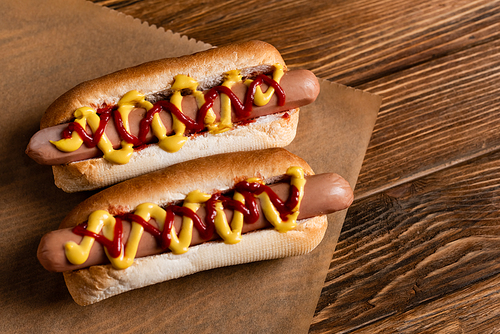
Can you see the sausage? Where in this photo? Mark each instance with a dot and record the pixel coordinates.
(323, 194)
(301, 88)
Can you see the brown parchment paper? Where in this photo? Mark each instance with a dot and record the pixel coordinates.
(48, 47)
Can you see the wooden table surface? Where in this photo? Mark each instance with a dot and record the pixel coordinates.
(420, 248)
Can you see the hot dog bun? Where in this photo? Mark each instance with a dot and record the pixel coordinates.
(210, 175)
(154, 79)
(266, 132)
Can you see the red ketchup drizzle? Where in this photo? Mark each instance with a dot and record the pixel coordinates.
(250, 211)
(114, 247)
(89, 140)
(241, 109)
(284, 208)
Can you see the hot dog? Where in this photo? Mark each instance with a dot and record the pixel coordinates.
(293, 225)
(159, 113)
(318, 199)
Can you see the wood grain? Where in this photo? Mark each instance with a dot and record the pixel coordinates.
(434, 115)
(413, 244)
(473, 309)
(350, 42)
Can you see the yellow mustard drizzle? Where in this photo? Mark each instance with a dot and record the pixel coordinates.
(101, 220)
(78, 253)
(270, 211)
(193, 201)
(231, 234)
(225, 122)
(87, 115)
(261, 99)
(173, 143)
(74, 143)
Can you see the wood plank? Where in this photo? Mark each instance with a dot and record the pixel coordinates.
(412, 244)
(350, 42)
(473, 309)
(433, 116)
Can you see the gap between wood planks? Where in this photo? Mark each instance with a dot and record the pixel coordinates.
(425, 173)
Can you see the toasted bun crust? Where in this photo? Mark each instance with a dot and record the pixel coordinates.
(172, 184)
(155, 79)
(267, 132)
